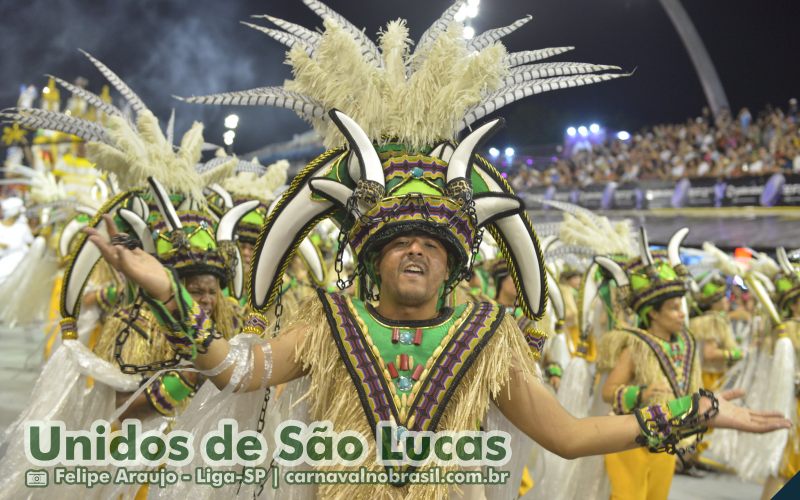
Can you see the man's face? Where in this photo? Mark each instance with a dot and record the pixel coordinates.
(204, 289)
(412, 269)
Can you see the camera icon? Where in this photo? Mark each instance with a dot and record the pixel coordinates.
(36, 479)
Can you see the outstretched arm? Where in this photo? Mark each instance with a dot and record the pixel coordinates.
(147, 272)
(284, 368)
(536, 412)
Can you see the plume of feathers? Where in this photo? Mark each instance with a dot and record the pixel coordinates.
(45, 188)
(142, 150)
(599, 234)
(420, 97)
(132, 148)
(251, 185)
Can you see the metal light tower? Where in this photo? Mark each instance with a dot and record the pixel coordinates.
(712, 86)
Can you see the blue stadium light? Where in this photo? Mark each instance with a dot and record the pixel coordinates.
(572, 131)
(494, 152)
(594, 128)
(622, 135)
(583, 131)
(509, 151)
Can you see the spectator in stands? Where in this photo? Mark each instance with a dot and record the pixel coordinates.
(722, 147)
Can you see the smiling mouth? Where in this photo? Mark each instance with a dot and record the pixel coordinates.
(414, 269)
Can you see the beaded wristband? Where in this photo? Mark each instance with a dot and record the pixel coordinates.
(168, 391)
(732, 355)
(627, 398)
(554, 370)
(107, 298)
(664, 426)
(256, 323)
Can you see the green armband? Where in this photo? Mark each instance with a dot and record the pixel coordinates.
(664, 426)
(627, 398)
(732, 355)
(168, 391)
(553, 370)
(107, 298)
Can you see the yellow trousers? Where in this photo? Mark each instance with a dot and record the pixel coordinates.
(712, 381)
(791, 454)
(640, 475)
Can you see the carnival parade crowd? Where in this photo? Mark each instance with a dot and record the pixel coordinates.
(396, 280)
(723, 147)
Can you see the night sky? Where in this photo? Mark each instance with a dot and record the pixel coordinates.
(195, 47)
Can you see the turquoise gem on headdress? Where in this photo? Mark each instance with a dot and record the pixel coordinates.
(406, 337)
(417, 172)
(404, 383)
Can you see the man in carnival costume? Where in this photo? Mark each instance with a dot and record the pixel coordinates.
(411, 204)
(712, 325)
(786, 352)
(184, 236)
(651, 363)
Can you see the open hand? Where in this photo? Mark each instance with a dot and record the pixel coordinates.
(731, 416)
(137, 265)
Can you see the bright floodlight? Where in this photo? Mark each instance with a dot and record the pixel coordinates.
(572, 131)
(231, 121)
(461, 14)
(228, 137)
(472, 10)
(494, 152)
(509, 151)
(623, 135)
(469, 32)
(473, 2)
(594, 128)
(583, 131)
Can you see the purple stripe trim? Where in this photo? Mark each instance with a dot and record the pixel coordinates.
(366, 368)
(680, 388)
(410, 210)
(619, 410)
(652, 293)
(535, 342)
(431, 401)
(404, 167)
(187, 219)
(450, 363)
(155, 393)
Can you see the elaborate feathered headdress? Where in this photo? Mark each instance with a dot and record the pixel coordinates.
(416, 97)
(248, 185)
(136, 151)
(711, 286)
(787, 283)
(398, 112)
(649, 279)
